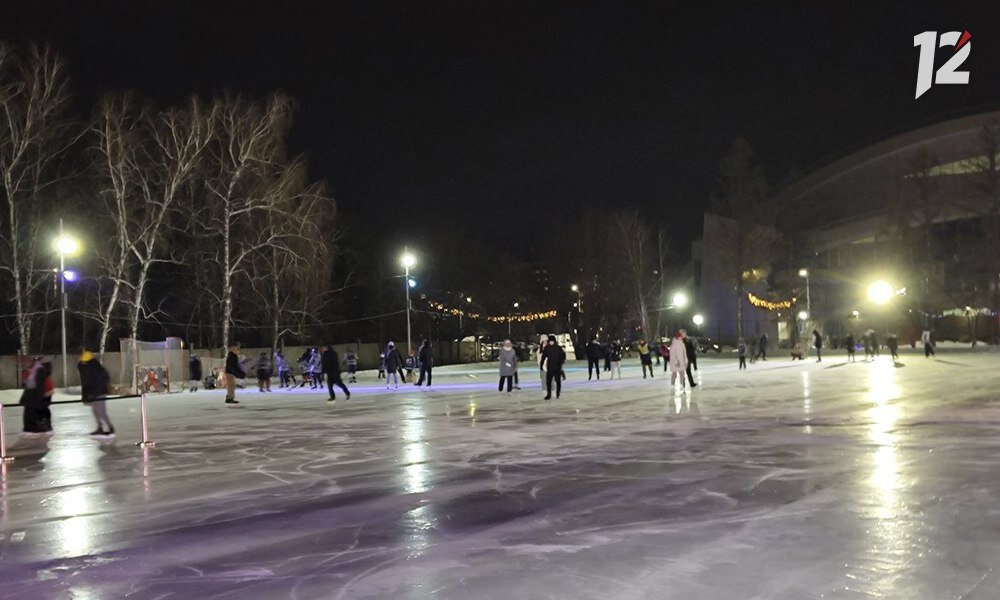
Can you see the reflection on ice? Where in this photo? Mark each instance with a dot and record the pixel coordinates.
(414, 453)
(891, 528)
(74, 535)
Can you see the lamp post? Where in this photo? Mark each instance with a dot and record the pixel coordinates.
(804, 273)
(65, 246)
(408, 261)
(510, 317)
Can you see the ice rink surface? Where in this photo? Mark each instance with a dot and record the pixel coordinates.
(787, 481)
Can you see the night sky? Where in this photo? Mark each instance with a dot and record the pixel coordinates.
(498, 119)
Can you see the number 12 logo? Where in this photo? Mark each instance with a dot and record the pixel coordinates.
(929, 43)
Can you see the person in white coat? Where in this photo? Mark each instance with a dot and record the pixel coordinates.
(542, 342)
(678, 360)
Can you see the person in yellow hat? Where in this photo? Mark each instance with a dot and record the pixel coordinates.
(94, 384)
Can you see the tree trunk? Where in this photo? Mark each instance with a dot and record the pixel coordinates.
(140, 288)
(23, 328)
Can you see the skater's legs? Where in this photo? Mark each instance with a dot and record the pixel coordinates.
(100, 410)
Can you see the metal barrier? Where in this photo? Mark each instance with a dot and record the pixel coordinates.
(144, 443)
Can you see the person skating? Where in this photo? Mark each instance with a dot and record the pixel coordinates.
(692, 357)
(893, 344)
(425, 359)
(849, 342)
(351, 362)
(194, 372)
(866, 342)
(607, 358)
(543, 341)
(285, 377)
(818, 345)
(875, 349)
(508, 365)
(678, 360)
(741, 352)
(593, 359)
(553, 358)
(763, 346)
(645, 358)
(315, 369)
(94, 384)
(263, 370)
(36, 397)
(615, 357)
(928, 342)
(392, 365)
(665, 353)
(330, 363)
(233, 370)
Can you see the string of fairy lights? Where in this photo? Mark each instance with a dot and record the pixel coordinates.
(511, 318)
(768, 304)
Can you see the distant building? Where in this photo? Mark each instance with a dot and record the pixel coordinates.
(913, 210)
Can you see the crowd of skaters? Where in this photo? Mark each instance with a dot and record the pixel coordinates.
(679, 357)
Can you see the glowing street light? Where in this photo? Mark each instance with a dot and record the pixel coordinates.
(680, 300)
(574, 288)
(468, 299)
(408, 261)
(881, 292)
(804, 273)
(510, 317)
(65, 246)
(698, 320)
(803, 315)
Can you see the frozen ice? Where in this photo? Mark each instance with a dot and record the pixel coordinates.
(792, 480)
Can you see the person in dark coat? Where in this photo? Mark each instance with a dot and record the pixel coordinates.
(94, 384)
(553, 358)
(425, 358)
(393, 365)
(892, 342)
(263, 370)
(763, 346)
(593, 359)
(818, 344)
(194, 372)
(37, 396)
(849, 342)
(234, 370)
(692, 356)
(351, 362)
(331, 368)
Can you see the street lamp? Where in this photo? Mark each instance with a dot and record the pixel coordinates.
(880, 292)
(804, 273)
(510, 317)
(579, 297)
(65, 246)
(698, 320)
(408, 260)
(679, 300)
(803, 315)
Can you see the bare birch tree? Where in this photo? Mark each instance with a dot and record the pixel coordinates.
(291, 273)
(247, 149)
(117, 138)
(176, 141)
(34, 132)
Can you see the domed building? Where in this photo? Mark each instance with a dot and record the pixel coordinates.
(919, 211)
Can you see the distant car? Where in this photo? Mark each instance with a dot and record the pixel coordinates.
(706, 345)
